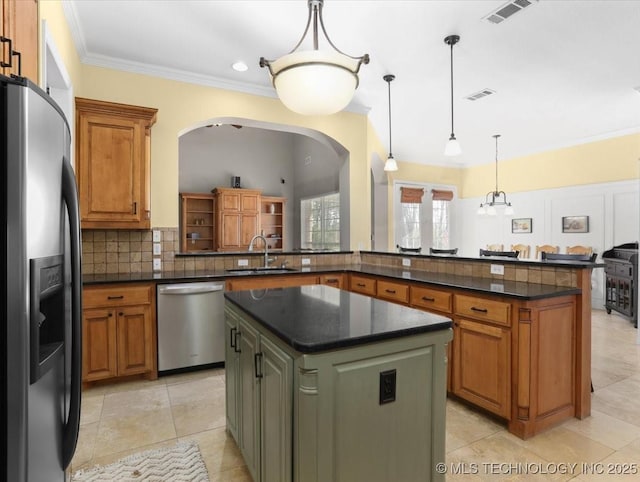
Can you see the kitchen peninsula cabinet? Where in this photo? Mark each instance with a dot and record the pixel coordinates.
(113, 144)
(237, 217)
(119, 335)
(257, 282)
(19, 24)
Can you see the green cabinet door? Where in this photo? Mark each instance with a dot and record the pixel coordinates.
(276, 370)
(249, 440)
(232, 369)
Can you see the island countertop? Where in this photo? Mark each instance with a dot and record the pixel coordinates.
(316, 318)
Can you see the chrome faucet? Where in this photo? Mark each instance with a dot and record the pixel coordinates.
(266, 248)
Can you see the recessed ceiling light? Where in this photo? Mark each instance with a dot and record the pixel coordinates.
(239, 66)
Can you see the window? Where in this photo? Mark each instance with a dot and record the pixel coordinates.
(320, 222)
(423, 216)
(441, 224)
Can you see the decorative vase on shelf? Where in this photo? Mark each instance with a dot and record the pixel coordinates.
(272, 208)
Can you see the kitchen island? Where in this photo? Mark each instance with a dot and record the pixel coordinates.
(328, 385)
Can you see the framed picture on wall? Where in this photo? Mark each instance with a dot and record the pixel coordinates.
(521, 225)
(575, 224)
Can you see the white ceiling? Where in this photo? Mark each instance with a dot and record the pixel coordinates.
(564, 72)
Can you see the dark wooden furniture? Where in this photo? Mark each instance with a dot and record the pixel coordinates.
(443, 251)
(621, 273)
(569, 257)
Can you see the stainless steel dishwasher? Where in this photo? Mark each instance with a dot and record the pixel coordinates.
(190, 325)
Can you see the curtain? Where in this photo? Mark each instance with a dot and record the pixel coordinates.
(411, 195)
(441, 195)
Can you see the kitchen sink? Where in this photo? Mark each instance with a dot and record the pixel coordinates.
(269, 270)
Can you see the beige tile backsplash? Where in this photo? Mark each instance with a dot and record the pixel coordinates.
(132, 252)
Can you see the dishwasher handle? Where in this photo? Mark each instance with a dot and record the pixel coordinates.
(187, 289)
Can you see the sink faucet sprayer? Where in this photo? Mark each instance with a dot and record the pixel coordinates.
(266, 248)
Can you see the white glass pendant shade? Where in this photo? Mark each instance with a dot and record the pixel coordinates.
(391, 164)
(315, 82)
(491, 211)
(509, 210)
(481, 210)
(452, 148)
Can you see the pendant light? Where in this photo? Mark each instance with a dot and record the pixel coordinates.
(453, 146)
(315, 82)
(498, 198)
(391, 164)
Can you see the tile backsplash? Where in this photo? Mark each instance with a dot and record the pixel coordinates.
(121, 251)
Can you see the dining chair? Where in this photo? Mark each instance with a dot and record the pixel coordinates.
(569, 257)
(495, 247)
(443, 251)
(503, 254)
(579, 249)
(523, 249)
(546, 248)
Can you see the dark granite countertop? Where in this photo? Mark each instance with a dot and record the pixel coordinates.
(316, 318)
(513, 289)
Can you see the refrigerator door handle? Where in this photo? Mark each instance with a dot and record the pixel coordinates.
(70, 196)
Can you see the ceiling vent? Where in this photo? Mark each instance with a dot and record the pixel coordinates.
(480, 94)
(507, 10)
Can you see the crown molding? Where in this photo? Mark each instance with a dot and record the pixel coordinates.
(70, 13)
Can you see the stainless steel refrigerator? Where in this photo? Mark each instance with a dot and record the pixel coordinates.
(41, 288)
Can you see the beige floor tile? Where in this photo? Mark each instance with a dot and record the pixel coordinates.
(620, 400)
(191, 376)
(241, 474)
(561, 445)
(91, 409)
(200, 415)
(497, 457)
(85, 447)
(128, 403)
(195, 390)
(465, 426)
(219, 451)
(605, 429)
(621, 465)
(101, 459)
(125, 432)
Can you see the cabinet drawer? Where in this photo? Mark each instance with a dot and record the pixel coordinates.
(482, 309)
(393, 291)
(360, 284)
(116, 296)
(431, 299)
(335, 280)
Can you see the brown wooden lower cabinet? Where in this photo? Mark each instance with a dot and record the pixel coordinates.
(514, 358)
(337, 280)
(254, 282)
(119, 332)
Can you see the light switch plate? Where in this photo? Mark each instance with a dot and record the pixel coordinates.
(497, 269)
(157, 248)
(157, 264)
(243, 262)
(406, 262)
(157, 235)
(306, 261)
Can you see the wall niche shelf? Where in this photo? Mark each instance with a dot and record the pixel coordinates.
(196, 222)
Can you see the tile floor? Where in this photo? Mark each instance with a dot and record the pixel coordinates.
(125, 418)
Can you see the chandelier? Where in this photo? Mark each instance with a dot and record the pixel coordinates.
(315, 82)
(495, 198)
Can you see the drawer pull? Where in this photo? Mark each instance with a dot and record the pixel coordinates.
(479, 310)
(236, 345)
(115, 297)
(232, 337)
(393, 292)
(361, 285)
(425, 298)
(332, 280)
(257, 359)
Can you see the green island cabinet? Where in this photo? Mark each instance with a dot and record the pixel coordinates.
(319, 416)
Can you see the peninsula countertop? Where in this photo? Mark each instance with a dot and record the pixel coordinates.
(514, 289)
(316, 318)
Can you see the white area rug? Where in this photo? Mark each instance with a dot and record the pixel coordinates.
(181, 463)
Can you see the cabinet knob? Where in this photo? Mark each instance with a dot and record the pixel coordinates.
(121, 314)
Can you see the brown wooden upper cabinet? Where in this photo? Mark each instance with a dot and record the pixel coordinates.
(113, 144)
(20, 25)
(237, 218)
